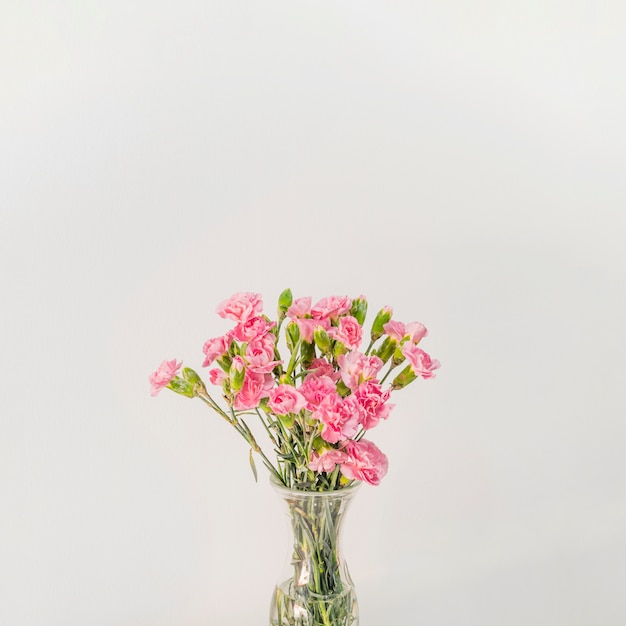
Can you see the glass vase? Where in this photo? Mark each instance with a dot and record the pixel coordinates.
(316, 589)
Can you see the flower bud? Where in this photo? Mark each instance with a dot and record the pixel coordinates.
(307, 351)
(192, 377)
(406, 376)
(398, 357)
(386, 349)
(285, 300)
(237, 374)
(359, 309)
(292, 335)
(322, 340)
(183, 387)
(383, 316)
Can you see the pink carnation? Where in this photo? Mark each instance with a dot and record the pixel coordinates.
(163, 375)
(216, 348)
(331, 307)
(372, 401)
(217, 376)
(348, 332)
(356, 368)
(421, 363)
(286, 399)
(365, 462)
(307, 327)
(396, 330)
(315, 389)
(339, 417)
(255, 387)
(241, 306)
(300, 308)
(327, 461)
(416, 331)
(253, 328)
(260, 354)
(321, 367)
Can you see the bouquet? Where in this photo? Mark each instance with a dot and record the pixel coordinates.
(318, 401)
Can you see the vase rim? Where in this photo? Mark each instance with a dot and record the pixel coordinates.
(279, 487)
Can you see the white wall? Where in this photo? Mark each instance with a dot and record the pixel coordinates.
(462, 162)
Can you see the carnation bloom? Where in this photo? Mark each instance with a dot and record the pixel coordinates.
(164, 375)
(307, 327)
(373, 405)
(421, 363)
(300, 308)
(315, 389)
(339, 417)
(331, 307)
(253, 328)
(356, 368)
(365, 462)
(321, 367)
(416, 331)
(260, 354)
(241, 306)
(396, 330)
(217, 376)
(348, 332)
(327, 460)
(286, 399)
(216, 348)
(255, 387)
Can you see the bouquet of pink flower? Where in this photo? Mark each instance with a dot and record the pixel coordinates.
(316, 405)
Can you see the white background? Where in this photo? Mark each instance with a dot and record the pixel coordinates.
(461, 162)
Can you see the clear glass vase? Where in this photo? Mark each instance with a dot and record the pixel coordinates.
(317, 589)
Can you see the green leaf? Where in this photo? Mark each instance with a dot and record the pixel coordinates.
(253, 466)
(285, 300)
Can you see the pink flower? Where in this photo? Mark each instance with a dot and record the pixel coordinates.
(164, 375)
(356, 368)
(327, 461)
(421, 363)
(286, 399)
(396, 330)
(307, 328)
(217, 376)
(339, 417)
(349, 332)
(416, 331)
(216, 348)
(241, 306)
(260, 354)
(365, 462)
(372, 401)
(300, 308)
(321, 367)
(331, 307)
(253, 328)
(315, 389)
(255, 387)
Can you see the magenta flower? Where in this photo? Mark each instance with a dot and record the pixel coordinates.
(348, 331)
(365, 462)
(286, 399)
(421, 363)
(164, 375)
(241, 306)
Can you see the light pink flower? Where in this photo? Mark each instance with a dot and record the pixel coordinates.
(255, 387)
(260, 354)
(241, 306)
(216, 348)
(348, 331)
(286, 399)
(315, 389)
(421, 363)
(253, 328)
(372, 401)
(164, 375)
(331, 307)
(396, 330)
(217, 376)
(339, 417)
(300, 308)
(365, 462)
(321, 367)
(307, 327)
(327, 461)
(356, 368)
(416, 331)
